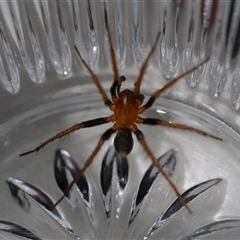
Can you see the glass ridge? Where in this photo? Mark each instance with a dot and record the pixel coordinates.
(190, 31)
(44, 88)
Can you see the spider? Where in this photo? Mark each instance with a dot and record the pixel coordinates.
(126, 105)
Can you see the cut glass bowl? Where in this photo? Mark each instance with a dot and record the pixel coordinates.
(45, 89)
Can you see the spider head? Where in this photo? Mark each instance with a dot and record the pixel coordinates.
(123, 142)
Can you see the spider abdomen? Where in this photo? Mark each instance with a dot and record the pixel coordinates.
(123, 142)
(126, 109)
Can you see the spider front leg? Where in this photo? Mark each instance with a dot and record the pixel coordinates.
(117, 81)
(153, 121)
(106, 135)
(86, 124)
(96, 80)
(167, 86)
(138, 82)
(142, 141)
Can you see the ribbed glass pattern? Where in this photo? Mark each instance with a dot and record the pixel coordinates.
(190, 31)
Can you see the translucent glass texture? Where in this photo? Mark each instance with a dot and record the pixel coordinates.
(44, 89)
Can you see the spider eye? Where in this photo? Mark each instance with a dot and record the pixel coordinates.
(123, 142)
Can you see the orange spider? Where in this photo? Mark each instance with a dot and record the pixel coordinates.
(126, 106)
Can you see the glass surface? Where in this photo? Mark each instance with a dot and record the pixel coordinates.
(45, 89)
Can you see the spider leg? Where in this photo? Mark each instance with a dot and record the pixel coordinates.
(90, 17)
(86, 124)
(96, 81)
(144, 66)
(106, 135)
(142, 141)
(121, 79)
(116, 79)
(153, 121)
(168, 85)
